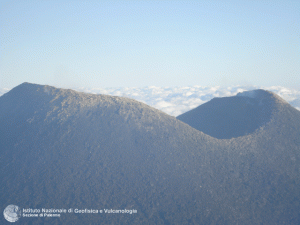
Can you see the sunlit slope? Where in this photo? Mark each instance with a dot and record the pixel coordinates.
(66, 149)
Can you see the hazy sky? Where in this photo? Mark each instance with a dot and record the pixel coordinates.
(142, 43)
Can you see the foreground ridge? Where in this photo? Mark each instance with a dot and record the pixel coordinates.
(64, 149)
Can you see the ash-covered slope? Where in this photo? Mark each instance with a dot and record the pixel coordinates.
(64, 149)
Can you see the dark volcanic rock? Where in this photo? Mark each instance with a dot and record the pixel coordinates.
(64, 149)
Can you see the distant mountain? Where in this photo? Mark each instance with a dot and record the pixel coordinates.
(65, 149)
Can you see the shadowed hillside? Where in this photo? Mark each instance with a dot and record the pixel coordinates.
(66, 149)
(230, 117)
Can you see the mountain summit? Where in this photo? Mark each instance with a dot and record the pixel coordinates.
(65, 149)
(235, 116)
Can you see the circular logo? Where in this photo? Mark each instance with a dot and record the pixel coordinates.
(12, 213)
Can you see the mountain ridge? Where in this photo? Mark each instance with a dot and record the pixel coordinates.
(60, 148)
(234, 116)
(176, 100)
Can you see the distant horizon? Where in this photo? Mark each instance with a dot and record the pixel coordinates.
(180, 99)
(66, 86)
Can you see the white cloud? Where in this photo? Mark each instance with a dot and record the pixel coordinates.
(3, 90)
(177, 100)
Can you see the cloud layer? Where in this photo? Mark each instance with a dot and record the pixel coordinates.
(177, 100)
